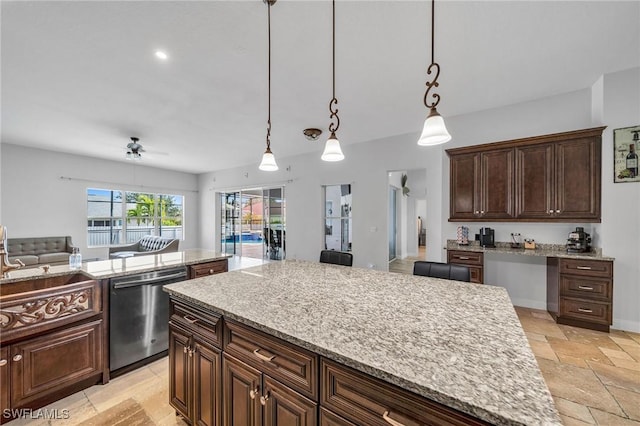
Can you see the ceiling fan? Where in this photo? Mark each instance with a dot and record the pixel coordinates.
(134, 149)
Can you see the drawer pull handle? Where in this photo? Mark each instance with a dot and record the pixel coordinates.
(389, 420)
(190, 319)
(463, 257)
(262, 357)
(17, 357)
(192, 351)
(264, 399)
(185, 349)
(584, 268)
(3, 362)
(210, 271)
(586, 311)
(584, 287)
(254, 392)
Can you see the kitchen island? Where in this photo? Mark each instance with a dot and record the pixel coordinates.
(454, 344)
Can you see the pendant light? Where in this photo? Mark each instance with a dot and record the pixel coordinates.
(332, 151)
(434, 131)
(268, 163)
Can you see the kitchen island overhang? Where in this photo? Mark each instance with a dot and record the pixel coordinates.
(455, 343)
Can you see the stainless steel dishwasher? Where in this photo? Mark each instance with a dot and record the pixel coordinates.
(139, 316)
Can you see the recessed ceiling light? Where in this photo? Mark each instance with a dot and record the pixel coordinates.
(161, 55)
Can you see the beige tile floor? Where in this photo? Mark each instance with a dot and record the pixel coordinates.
(594, 378)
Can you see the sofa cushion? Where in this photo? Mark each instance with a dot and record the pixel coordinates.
(27, 259)
(54, 257)
(153, 243)
(37, 245)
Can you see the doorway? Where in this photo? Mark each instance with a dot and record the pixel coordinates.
(393, 222)
(252, 223)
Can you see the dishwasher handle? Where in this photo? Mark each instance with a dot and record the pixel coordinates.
(136, 283)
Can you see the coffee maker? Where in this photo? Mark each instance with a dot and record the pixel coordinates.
(579, 241)
(487, 237)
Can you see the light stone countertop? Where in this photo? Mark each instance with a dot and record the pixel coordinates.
(457, 343)
(118, 267)
(542, 250)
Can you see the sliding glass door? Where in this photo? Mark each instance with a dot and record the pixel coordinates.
(253, 223)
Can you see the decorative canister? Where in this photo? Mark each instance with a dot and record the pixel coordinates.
(463, 235)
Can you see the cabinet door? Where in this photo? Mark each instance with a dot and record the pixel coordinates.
(464, 176)
(207, 373)
(578, 179)
(4, 379)
(497, 184)
(42, 366)
(534, 182)
(242, 388)
(179, 371)
(285, 407)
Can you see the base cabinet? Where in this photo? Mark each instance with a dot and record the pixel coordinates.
(473, 260)
(4, 379)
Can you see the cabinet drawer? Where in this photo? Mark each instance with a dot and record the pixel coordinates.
(365, 400)
(464, 257)
(291, 365)
(586, 287)
(327, 418)
(594, 268)
(209, 268)
(206, 324)
(586, 310)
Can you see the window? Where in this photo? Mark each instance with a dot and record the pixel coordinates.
(118, 217)
(337, 217)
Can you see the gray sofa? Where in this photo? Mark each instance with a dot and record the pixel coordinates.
(145, 246)
(38, 251)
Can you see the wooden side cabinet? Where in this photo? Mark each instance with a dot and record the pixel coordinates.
(580, 292)
(5, 384)
(208, 268)
(471, 259)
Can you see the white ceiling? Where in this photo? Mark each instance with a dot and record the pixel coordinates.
(81, 76)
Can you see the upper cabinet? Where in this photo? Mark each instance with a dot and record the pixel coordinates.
(551, 178)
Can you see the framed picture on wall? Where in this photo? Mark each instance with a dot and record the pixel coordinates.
(626, 145)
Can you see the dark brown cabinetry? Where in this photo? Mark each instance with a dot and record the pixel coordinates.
(209, 268)
(195, 365)
(365, 400)
(544, 178)
(473, 260)
(53, 340)
(482, 185)
(579, 292)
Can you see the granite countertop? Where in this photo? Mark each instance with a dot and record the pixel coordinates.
(117, 267)
(542, 250)
(459, 344)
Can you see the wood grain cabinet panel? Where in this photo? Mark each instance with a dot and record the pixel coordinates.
(209, 268)
(242, 390)
(5, 384)
(285, 407)
(46, 364)
(472, 260)
(553, 178)
(179, 372)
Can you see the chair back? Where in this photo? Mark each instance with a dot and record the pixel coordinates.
(441, 270)
(336, 257)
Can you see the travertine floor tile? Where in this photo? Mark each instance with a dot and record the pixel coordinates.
(570, 421)
(622, 339)
(629, 401)
(572, 360)
(579, 385)
(157, 404)
(605, 418)
(615, 376)
(610, 353)
(623, 363)
(633, 336)
(634, 351)
(573, 410)
(171, 420)
(578, 350)
(589, 337)
(543, 350)
(140, 383)
(160, 367)
(548, 328)
(535, 336)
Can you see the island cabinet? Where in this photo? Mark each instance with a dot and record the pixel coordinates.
(580, 292)
(195, 364)
(267, 381)
(554, 178)
(482, 185)
(52, 340)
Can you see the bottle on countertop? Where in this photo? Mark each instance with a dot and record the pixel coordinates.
(75, 259)
(632, 160)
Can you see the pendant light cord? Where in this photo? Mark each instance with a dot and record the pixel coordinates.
(333, 126)
(269, 76)
(434, 67)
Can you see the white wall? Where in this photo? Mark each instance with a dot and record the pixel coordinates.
(620, 229)
(37, 202)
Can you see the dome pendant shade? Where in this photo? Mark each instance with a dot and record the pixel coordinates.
(332, 151)
(268, 163)
(434, 131)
